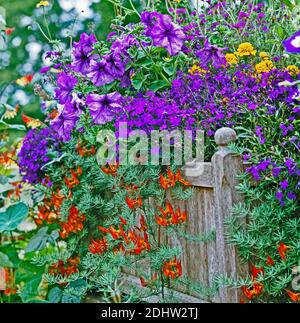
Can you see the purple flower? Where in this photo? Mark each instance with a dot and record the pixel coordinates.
(291, 196)
(99, 74)
(33, 154)
(45, 69)
(102, 107)
(167, 34)
(149, 19)
(211, 53)
(284, 185)
(114, 65)
(276, 171)
(82, 53)
(121, 46)
(292, 44)
(66, 84)
(65, 123)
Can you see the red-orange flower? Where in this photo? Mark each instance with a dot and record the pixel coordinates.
(143, 224)
(122, 220)
(10, 291)
(57, 200)
(169, 216)
(65, 268)
(172, 269)
(73, 180)
(171, 179)
(295, 297)
(74, 223)
(282, 250)
(9, 31)
(256, 290)
(110, 169)
(257, 271)
(270, 261)
(84, 152)
(98, 246)
(132, 203)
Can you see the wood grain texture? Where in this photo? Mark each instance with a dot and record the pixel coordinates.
(215, 195)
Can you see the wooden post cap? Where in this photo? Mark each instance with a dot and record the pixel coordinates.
(225, 136)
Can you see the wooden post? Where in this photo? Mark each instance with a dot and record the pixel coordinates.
(225, 167)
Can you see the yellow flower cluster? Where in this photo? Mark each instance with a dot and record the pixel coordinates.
(264, 55)
(264, 66)
(231, 59)
(195, 69)
(245, 49)
(42, 4)
(293, 70)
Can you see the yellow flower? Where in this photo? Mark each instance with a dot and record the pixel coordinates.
(264, 55)
(231, 59)
(195, 69)
(246, 49)
(264, 66)
(42, 4)
(293, 70)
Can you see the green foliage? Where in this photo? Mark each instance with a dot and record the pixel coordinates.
(13, 216)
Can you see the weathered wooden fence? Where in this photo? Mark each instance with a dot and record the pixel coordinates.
(215, 185)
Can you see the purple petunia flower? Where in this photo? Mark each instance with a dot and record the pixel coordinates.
(99, 74)
(65, 123)
(165, 33)
(121, 46)
(292, 44)
(102, 107)
(82, 53)
(211, 53)
(66, 84)
(114, 65)
(149, 19)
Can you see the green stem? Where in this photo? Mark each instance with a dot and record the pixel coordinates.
(134, 9)
(46, 24)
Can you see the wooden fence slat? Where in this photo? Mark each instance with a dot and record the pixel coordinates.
(215, 185)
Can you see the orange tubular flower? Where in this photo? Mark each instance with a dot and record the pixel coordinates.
(143, 224)
(134, 203)
(10, 291)
(65, 268)
(169, 216)
(98, 246)
(282, 250)
(270, 261)
(74, 223)
(257, 271)
(172, 269)
(102, 229)
(110, 169)
(73, 180)
(57, 200)
(84, 152)
(295, 297)
(247, 292)
(122, 220)
(254, 292)
(171, 179)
